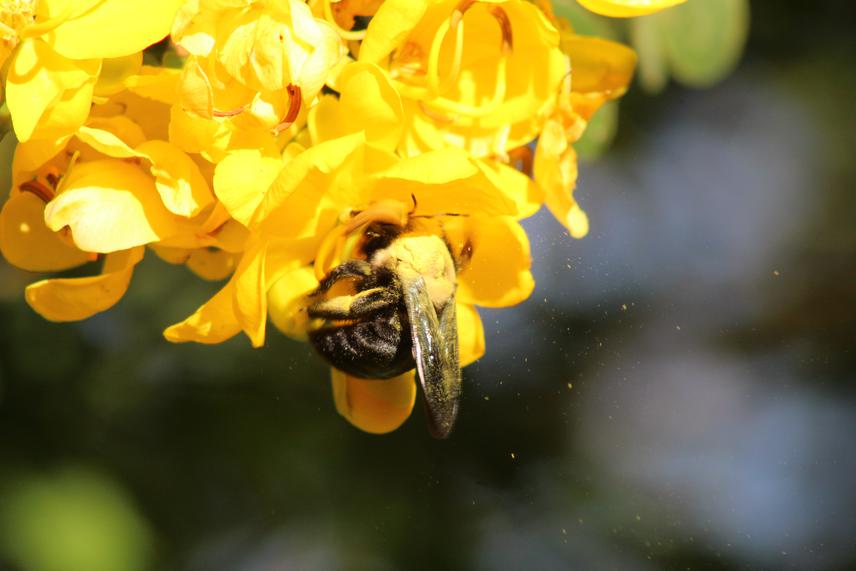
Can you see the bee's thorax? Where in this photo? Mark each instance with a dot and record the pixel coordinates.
(425, 256)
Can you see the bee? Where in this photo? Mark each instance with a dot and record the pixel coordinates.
(391, 311)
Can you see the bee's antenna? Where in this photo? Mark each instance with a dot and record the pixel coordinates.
(415, 203)
(439, 214)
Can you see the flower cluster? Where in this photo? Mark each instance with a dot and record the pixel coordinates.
(284, 125)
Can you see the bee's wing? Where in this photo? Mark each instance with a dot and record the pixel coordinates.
(435, 349)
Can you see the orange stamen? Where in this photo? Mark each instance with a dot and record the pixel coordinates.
(39, 189)
(459, 11)
(438, 117)
(522, 159)
(505, 26)
(230, 112)
(295, 102)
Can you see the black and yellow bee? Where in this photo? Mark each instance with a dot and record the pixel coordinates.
(393, 310)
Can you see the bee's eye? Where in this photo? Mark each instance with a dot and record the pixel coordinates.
(466, 253)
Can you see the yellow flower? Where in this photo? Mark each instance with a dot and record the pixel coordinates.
(495, 273)
(602, 70)
(253, 67)
(57, 48)
(628, 8)
(299, 218)
(477, 75)
(107, 193)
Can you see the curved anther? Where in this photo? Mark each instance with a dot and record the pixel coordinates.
(438, 117)
(459, 11)
(230, 112)
(295, 99)
(453, 24)
(468, 110)
(39, 189)
(505, 27)
(435, 105)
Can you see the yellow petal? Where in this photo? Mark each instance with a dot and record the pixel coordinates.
(128, 132)
(322, 121)
(115, 72)
(516, 186)
(602, 70)
(32, 154)
(214, 321)
(105, 142)
(230, 235)
(194, 29)
(576, 220)
(555, 170)
(73, 299)
(498, 273)
(194, 134)
(599, 65)
(290, 206)
(179, 182)
(149, 115)
(450, 181)
(471, 344)
(157, 83)
(391, 24)
(250, 295)
(110, 205)
(30, 245)
(213, 139)
(268, 47)
(435, 167)
(113, 28)
(287, 255)
(368, 102)
(66, 114)
(241, 180)
(287, 301)
(212, 264)
(244, 33)
(328, 51)
(37, 78)
(195, 91)
(375, 406)
(628, 8)
(171, 255)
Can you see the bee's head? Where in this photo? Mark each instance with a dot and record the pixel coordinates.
(362, 234)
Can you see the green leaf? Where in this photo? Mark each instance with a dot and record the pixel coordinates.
(705, 39)
(699, 43)
(74, 521)
(8, 143)
(652, 67)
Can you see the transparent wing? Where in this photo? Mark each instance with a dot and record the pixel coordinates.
(435, 350)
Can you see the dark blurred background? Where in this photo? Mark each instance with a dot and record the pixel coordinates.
(678, 393)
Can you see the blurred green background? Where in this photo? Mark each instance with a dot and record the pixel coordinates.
(678, 393)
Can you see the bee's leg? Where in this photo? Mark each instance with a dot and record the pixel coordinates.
(351, 269)
(357, 306)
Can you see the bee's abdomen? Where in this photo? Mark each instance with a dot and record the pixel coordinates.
(379, 348)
